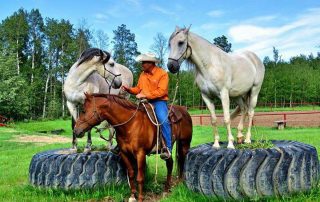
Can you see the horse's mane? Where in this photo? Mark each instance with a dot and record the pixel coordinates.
(89, 53)
(119, 100)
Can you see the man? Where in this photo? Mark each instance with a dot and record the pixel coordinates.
(153, 85)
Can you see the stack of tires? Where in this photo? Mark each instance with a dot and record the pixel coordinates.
(65, 170)
(287, 168)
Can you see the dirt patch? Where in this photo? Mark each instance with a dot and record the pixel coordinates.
(42, 140)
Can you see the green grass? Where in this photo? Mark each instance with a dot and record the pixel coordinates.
(261, 109)
(15, 159)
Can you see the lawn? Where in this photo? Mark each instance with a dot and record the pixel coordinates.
(15, 158)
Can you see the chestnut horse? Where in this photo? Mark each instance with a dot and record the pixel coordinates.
(136, 135)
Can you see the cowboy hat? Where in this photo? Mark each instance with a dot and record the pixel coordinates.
(147, 57)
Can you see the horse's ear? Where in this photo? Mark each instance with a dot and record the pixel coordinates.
(101, 54)
(177, 28)
(106, 59)
(187, 30)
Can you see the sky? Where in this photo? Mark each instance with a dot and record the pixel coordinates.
(292, 26)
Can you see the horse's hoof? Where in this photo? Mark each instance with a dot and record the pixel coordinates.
(240, 140)
(230, 146)
(87, 150)
(73, 150)
(132, 199)
(216, 146)
(247, 141)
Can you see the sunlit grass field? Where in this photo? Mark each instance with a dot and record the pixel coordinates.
(15, 158)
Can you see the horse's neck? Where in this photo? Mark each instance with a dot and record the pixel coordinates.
(81, 73)
(204, 54)
(114, 113)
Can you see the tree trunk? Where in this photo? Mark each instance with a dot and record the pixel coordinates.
(62, 93)
(32, 65)
(45, 96)
(18, 65)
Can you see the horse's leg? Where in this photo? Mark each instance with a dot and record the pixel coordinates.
(211, 108)
(226, 114)
(169, 164)
(141, 163)
(73, 111)
(130, 169)
(240, 137)
(111, 134)
(89, 142)
(252, 104)
(74, 142)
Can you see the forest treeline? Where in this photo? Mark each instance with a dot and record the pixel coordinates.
(36, 55)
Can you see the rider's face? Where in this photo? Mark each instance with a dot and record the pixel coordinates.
(147, 66)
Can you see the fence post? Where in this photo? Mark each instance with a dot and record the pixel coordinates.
(200, 120)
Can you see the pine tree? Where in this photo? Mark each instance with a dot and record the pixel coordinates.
(125, 48)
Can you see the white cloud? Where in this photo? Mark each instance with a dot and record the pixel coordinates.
(100, 16)
(301, 35)
(150, 24)
(134, 2)
(161, 10)
(215, 13)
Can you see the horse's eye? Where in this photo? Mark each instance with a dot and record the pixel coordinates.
(111, 64)
(180, 43)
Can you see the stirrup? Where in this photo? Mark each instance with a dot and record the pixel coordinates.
(165, 153)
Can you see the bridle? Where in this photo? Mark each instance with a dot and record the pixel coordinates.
(113, 74)
(97, 116)
(185, 52)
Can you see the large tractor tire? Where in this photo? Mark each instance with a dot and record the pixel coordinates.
(288, 167)
(65, 170)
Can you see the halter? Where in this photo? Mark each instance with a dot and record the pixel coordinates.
(185, 52)
(113, 74)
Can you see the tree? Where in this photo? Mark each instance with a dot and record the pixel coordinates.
(13, 97)
(36, 38)
(276, 56)
(61, 55)
(14, 34)
(100, 40)
(83, 36)
(125, 48)
(222, 42)
(160, 47)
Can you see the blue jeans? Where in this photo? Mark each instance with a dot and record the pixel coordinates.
(161, 110)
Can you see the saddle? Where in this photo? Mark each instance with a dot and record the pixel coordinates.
(175, 114)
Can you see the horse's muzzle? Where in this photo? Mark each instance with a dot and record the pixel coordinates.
(78, 132)
(173, 66)
(117, 83)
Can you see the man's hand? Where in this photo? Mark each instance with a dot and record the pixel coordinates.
(125, 88)
(141, 96)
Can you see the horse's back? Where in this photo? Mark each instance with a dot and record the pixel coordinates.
(248, 62)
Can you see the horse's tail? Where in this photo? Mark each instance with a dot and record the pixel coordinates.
(179, 158)
(235, 112)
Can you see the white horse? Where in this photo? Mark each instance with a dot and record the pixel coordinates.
(94, 72)
(221, 74)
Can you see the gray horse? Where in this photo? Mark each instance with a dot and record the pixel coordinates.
(94, 72)
(221, 74)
